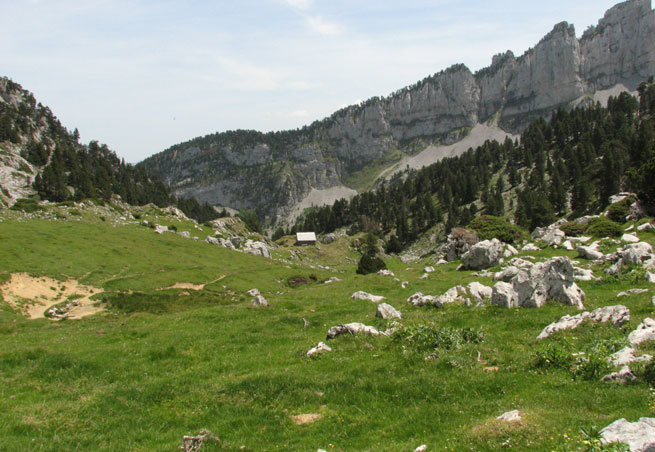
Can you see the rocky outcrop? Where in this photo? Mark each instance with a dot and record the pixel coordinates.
(386, 311)
(274, 171)
(352, 328)
(640, 435)
(617, 315)
(483, 254)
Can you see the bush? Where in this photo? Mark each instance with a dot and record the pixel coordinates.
(393, 245)
(573, 229)
(603, 227)
(428, 337)
(619, 210)
(368, 264)
(489, 227)
(27, 205)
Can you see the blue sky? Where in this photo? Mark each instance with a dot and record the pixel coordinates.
(143, 75)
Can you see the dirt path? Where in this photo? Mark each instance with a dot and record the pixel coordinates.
(34, 295)
(192, 286)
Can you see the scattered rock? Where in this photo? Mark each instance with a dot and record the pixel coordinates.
(583, 274)
(627, 356)
(590, 252)
(321, 347)
(185, 234)
(624, 375)
(506, 274)
(256, 248)
(352, 328)
(260, 301)
(459, 242)
(424, 276)
(428, 269)
(631, 292)
(567, 245)
(644, 332)
(418, 299)
(646, 227)
(404, 284)
(361, 295)
(479, 291)
(531, 247)
(510, 251)
(328, 238)
(421, 448)
(631, 238)
(483, 254)
(616, 314)
(510, 416)
(386, 272)
(331, 280)
(159, 229)
(386, 311)
(504, 295)
(253, 292)
(640, 435)
(636, 253)
(650, 277)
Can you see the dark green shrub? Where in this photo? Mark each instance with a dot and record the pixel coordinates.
(573, 229)
(619, 210)
(603, 227)
(426, 337)
(649, 373)
(27, 205)
(553, 355)
(368, 264)
(172, 228)
(393, 245)
(489, 227)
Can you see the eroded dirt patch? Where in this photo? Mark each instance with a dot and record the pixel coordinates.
(309, 418)
(191, 286)
(34, 295)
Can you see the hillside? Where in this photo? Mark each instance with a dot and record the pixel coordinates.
(41, 158)
(273, 172)
(174, 345)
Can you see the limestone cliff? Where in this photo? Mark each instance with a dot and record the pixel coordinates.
(271, 172)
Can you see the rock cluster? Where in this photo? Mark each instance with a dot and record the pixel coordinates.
(617, 315)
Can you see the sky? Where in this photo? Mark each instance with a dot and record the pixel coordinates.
(143, 75)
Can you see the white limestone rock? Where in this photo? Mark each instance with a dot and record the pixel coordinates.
(630, 238)
(624, 375)
(531, 247)
(626, 356)
(385, 272)
(479, 291)
(504, 295)
(386, 311)
(640, 435)
(483, 254)
(256, 248)
(361, 295)
(253, 292)
(260, 301)
(321, 347)
(352, 328)
(646, 227)
(644, 332)
(510, 416)
(418, 299)
(506, 274)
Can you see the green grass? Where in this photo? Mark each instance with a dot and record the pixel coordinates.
(158, 365)
(365, 178)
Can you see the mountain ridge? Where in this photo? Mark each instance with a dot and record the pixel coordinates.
(272, 172)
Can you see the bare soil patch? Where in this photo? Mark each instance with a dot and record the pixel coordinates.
(34, 295)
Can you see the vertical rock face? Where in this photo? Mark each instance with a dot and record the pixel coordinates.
(273, 171)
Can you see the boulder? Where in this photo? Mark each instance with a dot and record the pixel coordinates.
(510, 251)
(404, 284)
(636, 253)
(504, 295)
(386, 311)
(644, 332)
(483, 254)
(510, 416)
(159, 229)
(640, 435)
(428, 269)
(521, 262)
(185, 234)
(646, 227)
(616, 314)
(553, 237)
(328, 238)
(567, 245)
(361, 295)
(418, 299)
(627, 356)
(531, 247)
(551, 279)
(624, 375)
(459, 242)
(479, 291)
(321, 347)
(506, 274)
(450, 296)
(590, 252)
(260, 301)
(256, 248)
(352, 328)
(253, 292)
(212, 240)
(630, 238)
(583, 274)
(386, 272)
(621, 196)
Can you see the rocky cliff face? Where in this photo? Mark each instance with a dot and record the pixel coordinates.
(271, 172)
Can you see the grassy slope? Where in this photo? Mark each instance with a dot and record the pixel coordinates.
(139, 381)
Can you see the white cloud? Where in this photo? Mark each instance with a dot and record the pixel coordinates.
(318, 25)
(299, 4)
(299, 114)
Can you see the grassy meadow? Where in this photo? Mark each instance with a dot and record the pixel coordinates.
(158, 364)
